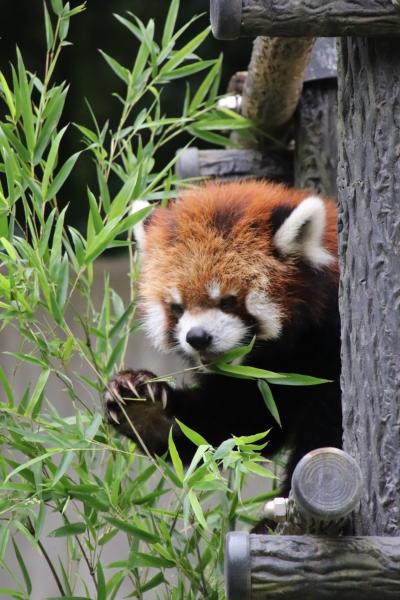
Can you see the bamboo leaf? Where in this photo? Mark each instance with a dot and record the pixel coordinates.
(101, 583)
(4, 537)
(184, 52)
(25, 104)
(195, 504)
(193, 436)
(23, 567)
(62, 175)
(170, 22)
(246, 372)
(269, 400)
(64, 466)
(137, 532)
(175, 458)
(37, 393)
(48, 28)
(8, 96)
(70, 529)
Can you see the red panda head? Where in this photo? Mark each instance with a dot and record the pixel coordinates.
(227, 261)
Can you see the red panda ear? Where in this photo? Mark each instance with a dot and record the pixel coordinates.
(139, 230)
(301, 233)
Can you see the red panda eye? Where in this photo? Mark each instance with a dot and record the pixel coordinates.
(228, 303)
(176, 309)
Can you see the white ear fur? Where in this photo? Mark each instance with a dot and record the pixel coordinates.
(302, 232)
(138, 229)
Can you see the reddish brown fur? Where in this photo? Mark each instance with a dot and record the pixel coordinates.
(222, 232)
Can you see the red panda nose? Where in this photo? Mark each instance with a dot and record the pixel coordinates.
(198, 338)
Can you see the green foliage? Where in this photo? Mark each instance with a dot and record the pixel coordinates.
(99, 489)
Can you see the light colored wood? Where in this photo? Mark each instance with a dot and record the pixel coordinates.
(274, 81)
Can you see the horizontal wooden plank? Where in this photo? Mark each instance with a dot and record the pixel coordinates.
(272, 567)
(235, 164)
(231, 19)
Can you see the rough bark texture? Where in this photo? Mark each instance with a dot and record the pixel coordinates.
(315, 138)
(304, 567)
(297, 523)
(319, 568)
(274, 80)
(308, 18)
(369, 227)
(231, 164)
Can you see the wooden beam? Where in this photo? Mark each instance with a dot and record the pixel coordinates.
(369, 243)
(263, 567)
(231, 19)
(235, 164)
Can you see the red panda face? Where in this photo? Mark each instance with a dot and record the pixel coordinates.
(222, 265)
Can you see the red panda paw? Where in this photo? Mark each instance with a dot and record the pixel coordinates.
(134, 404)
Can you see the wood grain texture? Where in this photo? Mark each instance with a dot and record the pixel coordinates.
(369, 239)
(321, 568)
(236, 164)
(316, 138)
(306, 18)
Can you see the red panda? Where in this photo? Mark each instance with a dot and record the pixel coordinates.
(224, 263)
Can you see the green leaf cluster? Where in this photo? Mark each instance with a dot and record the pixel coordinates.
(94, 488)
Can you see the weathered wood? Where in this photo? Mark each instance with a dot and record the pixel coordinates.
(235, 164)
(326, 488)
(274, 81)
(316, 152)
(312, 568)
(369, 241)
(231, 19)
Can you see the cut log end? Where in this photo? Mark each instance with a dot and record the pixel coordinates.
(237, 565)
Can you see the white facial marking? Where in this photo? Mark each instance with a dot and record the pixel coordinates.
(227, 330)
(155, 325)
(267, 313)
(175, 295)
(290, 239)
(214, 290)
(138, 229)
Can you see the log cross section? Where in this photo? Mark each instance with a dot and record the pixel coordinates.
(231, 19)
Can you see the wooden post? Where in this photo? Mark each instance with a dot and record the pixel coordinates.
(369, 245)
(326, 489)
(235, 164)
(231, 19)
(316, 153)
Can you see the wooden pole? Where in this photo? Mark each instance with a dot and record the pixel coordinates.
(369, 247)
(231, 19)
(326, 489)
(274, 81)
(235, 164)
(303, 567)
(315, 150)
